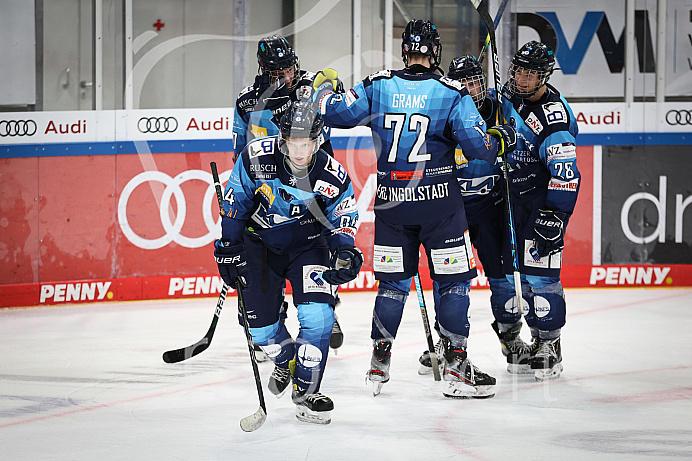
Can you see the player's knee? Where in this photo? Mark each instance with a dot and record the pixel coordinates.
(316, 321)
(262, 335)
(396, 289)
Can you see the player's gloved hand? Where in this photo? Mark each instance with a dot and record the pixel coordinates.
(506, 138)
(346, 263)
(549, 228)
(326, 81)
(232, 262)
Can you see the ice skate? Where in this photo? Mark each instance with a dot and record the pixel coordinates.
(312, 407)
(425, 366)
(547, 362)
(379, 364)
(517, 352)
(462, 379)
(337, 337)
(259, 353)
(279, 381)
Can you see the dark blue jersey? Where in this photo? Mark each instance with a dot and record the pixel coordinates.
(417, 120)
(477, 178)
(286, 212)
(545, 161)
(258, 110)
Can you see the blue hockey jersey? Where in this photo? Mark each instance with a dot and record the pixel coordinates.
(545, 161)
(257, 114)
(417, 120)
(286, 212)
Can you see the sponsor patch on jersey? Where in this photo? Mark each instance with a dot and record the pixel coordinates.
(260, 147)
(387, 259)
(258, 131)
(336, 169)
(567, 186)
(266, 191)
(327, 189)
(313, 281)
(564, 151)
(453, 83)
(304, 92)
(555, 112)
(407, 175)
(534, 124)
(382, 73)
(455, 260)
(350, 97)
(553, 261)
(349, 205)
(459, 158)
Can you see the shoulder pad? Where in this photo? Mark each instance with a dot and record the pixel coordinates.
(380, 74)
(456, 84)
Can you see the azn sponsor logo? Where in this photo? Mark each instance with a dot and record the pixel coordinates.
(74, 292)
(624, 276)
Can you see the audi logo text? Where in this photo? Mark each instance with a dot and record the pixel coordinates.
(17, 128)
(157, 124)
(679, 117)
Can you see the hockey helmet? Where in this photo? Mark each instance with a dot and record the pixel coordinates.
(275, 55)
(421, 37)
(301, 121)
(469, 71)
(534, 59)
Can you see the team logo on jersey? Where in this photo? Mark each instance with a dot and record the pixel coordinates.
(336, 169)
(534, 124)
(266, 191)
(555, 112)
(326, 189)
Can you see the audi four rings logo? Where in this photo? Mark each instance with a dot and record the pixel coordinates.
(679, 117)
(166, 210)
(157, 124)
(17, 128)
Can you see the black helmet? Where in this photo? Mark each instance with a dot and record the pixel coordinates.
(534, 57)
(468, 70)
(302, 120)
(275, 54)
(421, 37)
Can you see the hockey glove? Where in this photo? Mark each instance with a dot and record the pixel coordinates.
(346, 263)
(325, 82)
(232, 262)
(506, 139)
(550, 232)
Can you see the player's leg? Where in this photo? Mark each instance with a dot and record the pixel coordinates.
(264, 299)
(395, 261)
(452, 265)
(550, 312)
(314, 299)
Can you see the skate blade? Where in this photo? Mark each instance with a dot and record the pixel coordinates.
(548, 374)
(306, 415)
(460, 390)
(517, 369)
(376, 388)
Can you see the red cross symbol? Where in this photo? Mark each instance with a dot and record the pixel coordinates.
(159, 25)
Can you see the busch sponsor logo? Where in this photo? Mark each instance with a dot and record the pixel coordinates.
(66, 292)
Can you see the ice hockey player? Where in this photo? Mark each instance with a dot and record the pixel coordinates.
(417, 118)
(483, 191)
(259, 108)
(544, 182)
(287, 207)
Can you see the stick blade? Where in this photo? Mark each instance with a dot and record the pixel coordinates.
(254, 421)
(178, 355)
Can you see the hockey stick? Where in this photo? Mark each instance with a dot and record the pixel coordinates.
(426, 325)
(255, 420)
(178, 355)
(482, 7)
(184, 353)
(496, 22)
